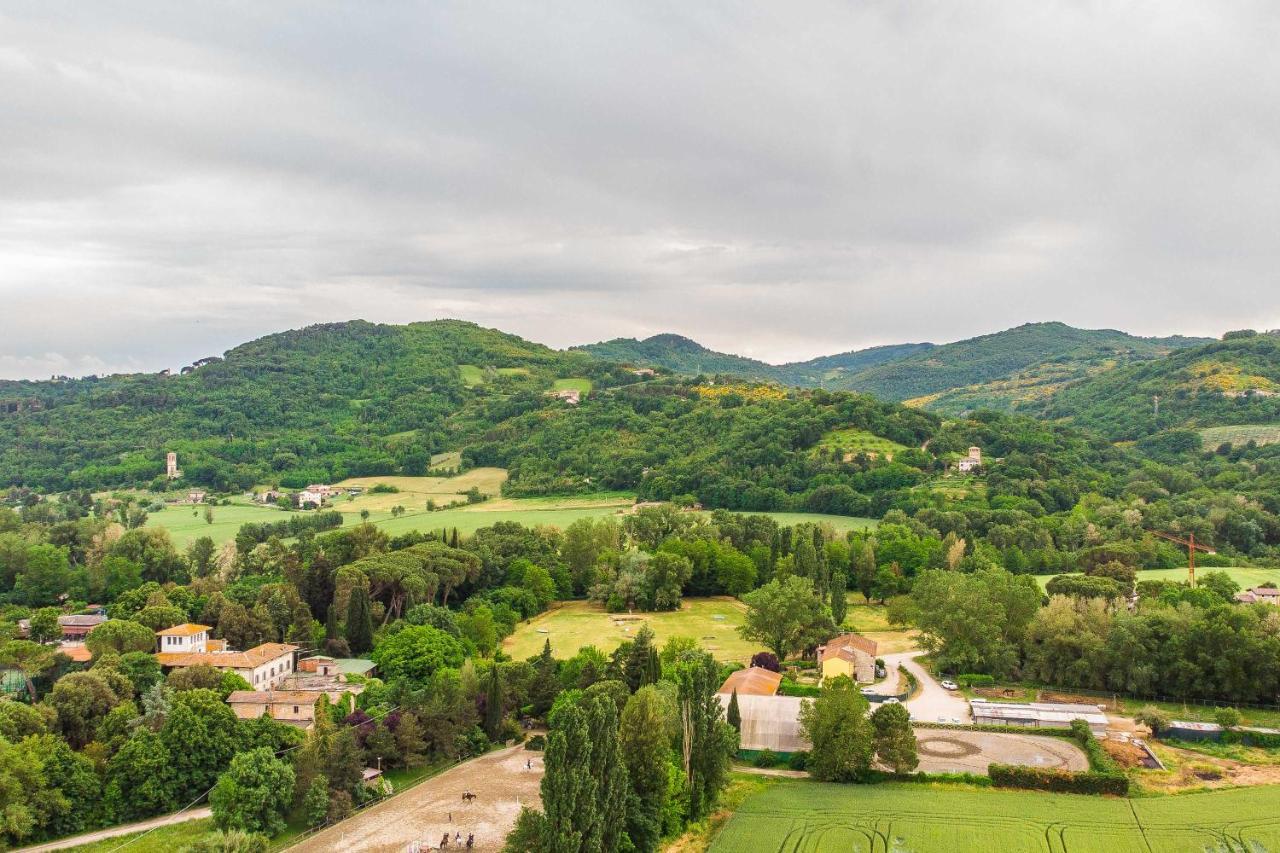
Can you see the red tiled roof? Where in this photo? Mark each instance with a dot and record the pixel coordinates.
(845, 645)
(755, 681)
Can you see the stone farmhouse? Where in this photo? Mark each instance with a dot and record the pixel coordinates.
(971, 462)
(1266, 594)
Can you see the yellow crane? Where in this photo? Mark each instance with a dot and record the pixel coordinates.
(1191, 545)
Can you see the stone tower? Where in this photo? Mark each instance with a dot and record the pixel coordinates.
(171, 466)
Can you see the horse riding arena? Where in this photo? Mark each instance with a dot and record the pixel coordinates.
(500, 780)
(812, 817)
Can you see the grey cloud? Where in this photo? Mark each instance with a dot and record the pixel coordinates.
(772, 179)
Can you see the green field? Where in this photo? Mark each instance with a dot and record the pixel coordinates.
(713, 622)
(575, 383)
(1247, 578)
(841, 523)
(185, 527)
(471, 375)
(860, 441)
(1235, 435)
(811, 817)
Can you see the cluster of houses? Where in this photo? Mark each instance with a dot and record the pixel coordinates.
(1265, 594)
(283, 685)
(315, 495)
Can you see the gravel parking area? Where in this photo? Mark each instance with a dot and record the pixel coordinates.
(500, 781)
(959, 751)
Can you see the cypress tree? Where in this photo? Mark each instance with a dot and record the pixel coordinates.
(734, 716)
(331, 623)
(610, 773)
(839, 604)
(359, 622)
(493, 699)
(637, 669)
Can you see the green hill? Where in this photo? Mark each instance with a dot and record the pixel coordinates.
(1224, 383)
(320, 403)
(1004, 370)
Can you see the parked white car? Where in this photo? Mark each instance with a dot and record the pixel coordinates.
(950, 685)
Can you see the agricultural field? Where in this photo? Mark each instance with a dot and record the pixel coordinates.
(1246, 577)
(811, 817)
(1240, 435)
(164, 839)
(186, 523)
(840, 523)
(575, 383)
(713, 622)
(414, 492)
(855, 441)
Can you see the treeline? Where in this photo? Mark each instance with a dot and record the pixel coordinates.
(255, 533)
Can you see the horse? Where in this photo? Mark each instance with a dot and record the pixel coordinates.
(468, 797)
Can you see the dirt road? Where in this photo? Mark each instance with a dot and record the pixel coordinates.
(500, 781)
(117, 831)
(932, 701)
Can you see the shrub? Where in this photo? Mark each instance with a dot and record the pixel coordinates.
(233, 841)
(766, 758)
(971, 679)
(537, 743)
(1228, 718)
(1059, 781)
(1153, 718)
(798, 760)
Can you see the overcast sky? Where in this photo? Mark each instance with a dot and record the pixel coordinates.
(780, 180)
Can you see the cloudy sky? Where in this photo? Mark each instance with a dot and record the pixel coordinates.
(776, 179)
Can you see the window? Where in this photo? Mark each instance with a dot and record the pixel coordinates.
(295, 709)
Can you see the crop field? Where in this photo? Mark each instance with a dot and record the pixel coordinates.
(811, 817)
(860, 441)
(841, 523)
(1236, 435)
(713, 622)
(1246, 577)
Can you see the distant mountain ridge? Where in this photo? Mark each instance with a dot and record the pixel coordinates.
(1003, 370)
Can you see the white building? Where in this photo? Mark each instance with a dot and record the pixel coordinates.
(970, 462)
(1037, 715)
(306, 496)
(265, 666)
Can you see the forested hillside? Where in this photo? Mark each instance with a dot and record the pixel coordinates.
(1228, 382)
(1003, 370)
(329, 401)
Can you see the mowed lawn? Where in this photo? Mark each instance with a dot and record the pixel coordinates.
(713, 622)
(186, 523)
(812, 817)
(1245, 577)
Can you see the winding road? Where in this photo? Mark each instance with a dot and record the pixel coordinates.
(931, 702)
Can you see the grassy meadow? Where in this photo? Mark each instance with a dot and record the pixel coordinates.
(164, 839)
(575, 383)
(853, 440)
(713, 622)
(811, 817)
(1246, 577)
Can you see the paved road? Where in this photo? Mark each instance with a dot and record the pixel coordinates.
(117, 831)
(932, 701)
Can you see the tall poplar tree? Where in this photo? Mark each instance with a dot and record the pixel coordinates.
(647, 754)
(839, 604)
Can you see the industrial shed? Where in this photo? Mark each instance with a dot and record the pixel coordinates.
(1037, 715)
(769, 722)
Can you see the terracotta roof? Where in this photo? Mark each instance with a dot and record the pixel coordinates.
(845, 645)
(186, 629)
(215, 645)
(81, 621)
(275, 697)
(755, 681)
(255, 657)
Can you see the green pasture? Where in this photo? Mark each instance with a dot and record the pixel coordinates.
(841, 523)
(471, 375)
(1245, 576)
(575, 383)
(854, 440)
(713, 622)
(186, 523)
(811, 817)
(1238, 435)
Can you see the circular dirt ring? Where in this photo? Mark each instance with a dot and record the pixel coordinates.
(946, 747)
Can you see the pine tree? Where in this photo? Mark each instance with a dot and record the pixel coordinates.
(359, 622)
(637, 669)
(734, 716)
(493, 699)
(839, 604)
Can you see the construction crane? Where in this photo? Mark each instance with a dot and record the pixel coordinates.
(1190, 544)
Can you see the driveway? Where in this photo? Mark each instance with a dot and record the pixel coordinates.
(931, 702)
